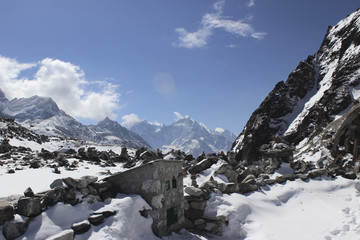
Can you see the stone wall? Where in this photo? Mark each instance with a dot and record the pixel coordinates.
(160, 184)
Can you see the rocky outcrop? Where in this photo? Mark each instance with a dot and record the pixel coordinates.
(316, 93)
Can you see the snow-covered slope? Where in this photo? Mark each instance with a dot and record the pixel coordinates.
(320, 90)
(185, 134)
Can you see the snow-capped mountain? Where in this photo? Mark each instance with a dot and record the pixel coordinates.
(185, 134)
(113, 133)
(43, 116)
(310, 109)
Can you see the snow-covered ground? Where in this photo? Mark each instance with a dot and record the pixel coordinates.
(322, 208)
(317, 209)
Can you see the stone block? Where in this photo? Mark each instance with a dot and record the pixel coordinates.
(96, 219)
(28, 206)
(81, 227)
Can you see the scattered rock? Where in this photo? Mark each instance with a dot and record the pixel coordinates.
(81, 227)
(96, 219)
(193, 191)
(204, 164)
(64, 235)
(53, 196)
(85, 181)
(106, 214)
(6, 211)
(56, 183)
(29, 192)
(71, 182)
(15, 228)
(56, 170)
(5, 146)
(29, 206)
(35, 164)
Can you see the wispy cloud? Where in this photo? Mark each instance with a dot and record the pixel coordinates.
(65, 83)
(251, 3)
(212, 21)
(130, 119)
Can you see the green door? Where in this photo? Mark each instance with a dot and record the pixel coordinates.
(172, 216)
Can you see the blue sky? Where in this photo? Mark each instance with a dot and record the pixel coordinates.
(212, 60)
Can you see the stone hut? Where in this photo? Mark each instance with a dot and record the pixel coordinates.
(160, 184)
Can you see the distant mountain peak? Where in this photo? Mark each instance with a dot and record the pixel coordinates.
(184, 134)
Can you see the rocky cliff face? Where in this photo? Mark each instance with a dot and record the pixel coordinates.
(319, 91)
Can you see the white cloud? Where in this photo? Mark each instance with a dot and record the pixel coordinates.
(212, 21)
(251, 3)
(130, 119)
(64, 82)
(193, 40)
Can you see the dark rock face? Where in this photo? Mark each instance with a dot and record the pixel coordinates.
(320, 88)
(267, 120)
(348, 136)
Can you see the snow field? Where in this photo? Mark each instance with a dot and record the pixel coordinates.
(317, 209)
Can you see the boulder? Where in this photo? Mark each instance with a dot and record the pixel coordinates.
(204, 164)
(53, 196)
(15, 228)
(106, 213)
(148, 156)
(5, 146)
(85, 181)
(243, 175)
(29, 192)
(35, 163)
(350, 175)
(100, 186)
(69, 196)
(64, 235)
(96, 219)
(232, 188)
(6, 211)
(81, 227)
(61, 160)
(56, 183)
(247, 187)
(29, 206)
(71, 182)
(193, 191)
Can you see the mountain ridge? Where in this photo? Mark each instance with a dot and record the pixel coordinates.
(316, 93)
(184, 134)
(43, 116)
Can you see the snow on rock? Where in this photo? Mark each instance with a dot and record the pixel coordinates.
(120, 226)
